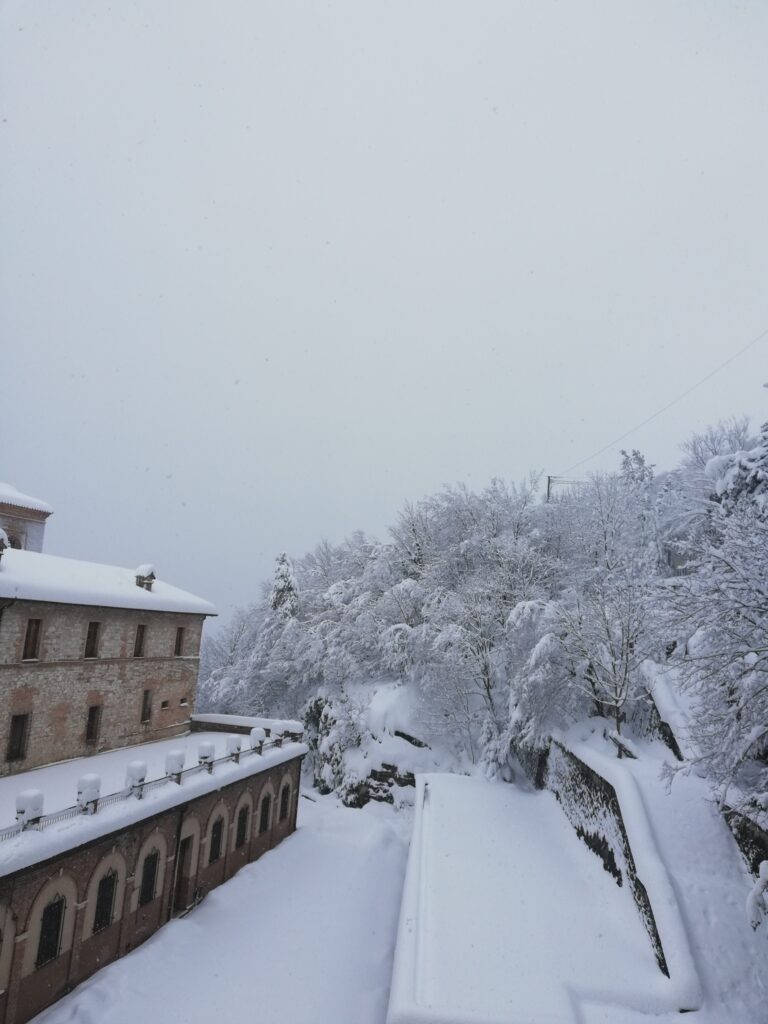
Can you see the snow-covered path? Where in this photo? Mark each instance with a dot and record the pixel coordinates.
(711, 881)
(305, 935)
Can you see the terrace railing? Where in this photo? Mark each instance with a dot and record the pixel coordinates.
(136, 791)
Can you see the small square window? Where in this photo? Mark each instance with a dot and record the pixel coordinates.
(92, 640)
(138, 644)
(184, 702)
(164, 705)
(178, 650)
(32, 640)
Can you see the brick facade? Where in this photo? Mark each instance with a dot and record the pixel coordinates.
(183, 840)
(57, 689)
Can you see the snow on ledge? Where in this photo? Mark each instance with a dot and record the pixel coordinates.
(507, 918)
(277, 726)
(32, 576)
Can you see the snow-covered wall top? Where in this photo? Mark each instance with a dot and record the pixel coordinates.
(276, 725)
(9, 495)
(30, 576)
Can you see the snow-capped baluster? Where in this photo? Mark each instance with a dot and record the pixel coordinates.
(135, 776)
(258, 736)
(29, 807)
(174, 765)
(206, 754)
(234, 746)
(88, 791)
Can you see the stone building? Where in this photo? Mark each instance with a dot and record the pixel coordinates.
(92, 657)
(135, 810)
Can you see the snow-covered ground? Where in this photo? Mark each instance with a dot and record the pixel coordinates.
(711, 882)
(512, 919)
(709, 879)
(304, 935)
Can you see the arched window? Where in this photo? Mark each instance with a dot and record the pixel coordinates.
(285, 797)
(149, 877)
(105, 901)
(264, 813)
(241, 833)
(217, 834)
(50, 931)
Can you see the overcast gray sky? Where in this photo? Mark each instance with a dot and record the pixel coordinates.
(269, 269)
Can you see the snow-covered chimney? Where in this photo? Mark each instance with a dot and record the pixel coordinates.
(145, 576)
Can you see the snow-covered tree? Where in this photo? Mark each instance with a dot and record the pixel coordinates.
(284, 599)
(721, 612)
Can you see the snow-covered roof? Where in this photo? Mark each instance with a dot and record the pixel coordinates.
(9, 495)
(30, 576)
(59, 784)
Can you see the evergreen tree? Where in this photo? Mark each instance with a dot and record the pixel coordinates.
(284, 598)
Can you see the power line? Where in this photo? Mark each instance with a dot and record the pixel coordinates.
(679, 398)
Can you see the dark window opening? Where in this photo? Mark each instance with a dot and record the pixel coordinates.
(105, 902)
(285, 796)
(138, 644)
(50, 931)
(183, 702)
(18, 737)
(92, 640)
(266, 805)
(146, 706)
(148, 878)
(32, 640)
(93, 725)
(14, 541)
(164, 705)
(217, 833)
(242, 828)
(179, 648)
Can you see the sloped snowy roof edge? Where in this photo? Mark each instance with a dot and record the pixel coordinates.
(9, 495)
(31, 576)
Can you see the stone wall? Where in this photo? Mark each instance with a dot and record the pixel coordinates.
(752, 840)
(57, 689)
(592, 807)
(182, 837)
